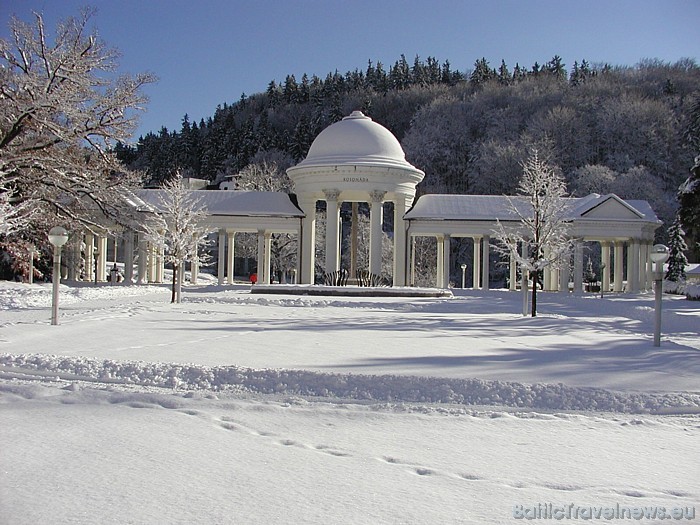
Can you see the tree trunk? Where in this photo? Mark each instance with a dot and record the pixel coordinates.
(178, 282)
(175, 272)
(535, 279)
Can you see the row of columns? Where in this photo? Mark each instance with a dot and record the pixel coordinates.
(639, 267)
(333, 228)
(333, 225)
(480, 262)
(226, 256)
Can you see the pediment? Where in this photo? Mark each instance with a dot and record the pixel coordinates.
(612, 207)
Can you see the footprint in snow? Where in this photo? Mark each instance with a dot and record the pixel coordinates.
(331, 451)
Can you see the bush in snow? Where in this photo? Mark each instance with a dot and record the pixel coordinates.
(674, 287)
(692, 292)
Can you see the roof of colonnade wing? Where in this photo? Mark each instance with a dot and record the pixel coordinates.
(495, 207)
(229, 202)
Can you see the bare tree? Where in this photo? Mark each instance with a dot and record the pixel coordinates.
(62, 110)
(176, 227)
(543, 227)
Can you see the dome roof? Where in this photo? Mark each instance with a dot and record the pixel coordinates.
(356, 140)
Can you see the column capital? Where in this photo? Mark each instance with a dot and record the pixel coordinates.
(332, 194)
(377, 195)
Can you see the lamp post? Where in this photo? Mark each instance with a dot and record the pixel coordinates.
(658, 256)
(602, 270)
(58, 236)
(464, 269)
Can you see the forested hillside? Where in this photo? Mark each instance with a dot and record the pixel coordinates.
(617, 129)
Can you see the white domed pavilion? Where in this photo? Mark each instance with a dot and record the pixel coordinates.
(354, 160)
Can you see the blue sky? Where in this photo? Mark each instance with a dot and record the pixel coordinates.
(208, 52)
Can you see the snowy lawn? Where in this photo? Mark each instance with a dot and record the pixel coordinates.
(234, 408)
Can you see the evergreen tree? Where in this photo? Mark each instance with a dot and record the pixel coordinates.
(676, 248)
(274, 93)
(482, 72)
(504, 77)
(555, 67)
(689, 212)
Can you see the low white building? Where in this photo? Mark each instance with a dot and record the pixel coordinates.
(359, 161)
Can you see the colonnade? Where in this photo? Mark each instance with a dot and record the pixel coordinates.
(86, 258)
(334, 200)
(625, 265)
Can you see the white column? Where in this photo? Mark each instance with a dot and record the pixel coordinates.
(194, 270)
(70, 259)
(439, 266)
(400, 206)
(578, 268)
(605, 259)
(547, 273)
(221, 274)
(643, 258)
(633, 266)
(142, 276)
(267, 259)
(89, 257)
(513, 270)
(160, 264)
(619, 254)
(476, 263)
(102, 258)
(332, 225)
(648, 266)
(485, 252)
(307, 242)
(261, 258)
(413, 261)
(152, 261)
(565, 274)
(230, 257)
(446, 262)
(376, 216)
(128, 256)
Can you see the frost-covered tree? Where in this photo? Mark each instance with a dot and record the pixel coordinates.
(542, 224)
(176, 227)
(592, 179)
(677, 260)
(13, 217)
(264, 175)
(267, 172)
(62, 111)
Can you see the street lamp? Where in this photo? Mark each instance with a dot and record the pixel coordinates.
(58, 236)
(658, 256)
(464, 269)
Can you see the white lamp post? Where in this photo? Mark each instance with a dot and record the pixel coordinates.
(464, 269)
(658, 256)
(58, 236)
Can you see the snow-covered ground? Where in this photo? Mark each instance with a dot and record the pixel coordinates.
(239, 408)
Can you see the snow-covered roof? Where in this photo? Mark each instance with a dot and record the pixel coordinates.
(491, 207)
(231, 203)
